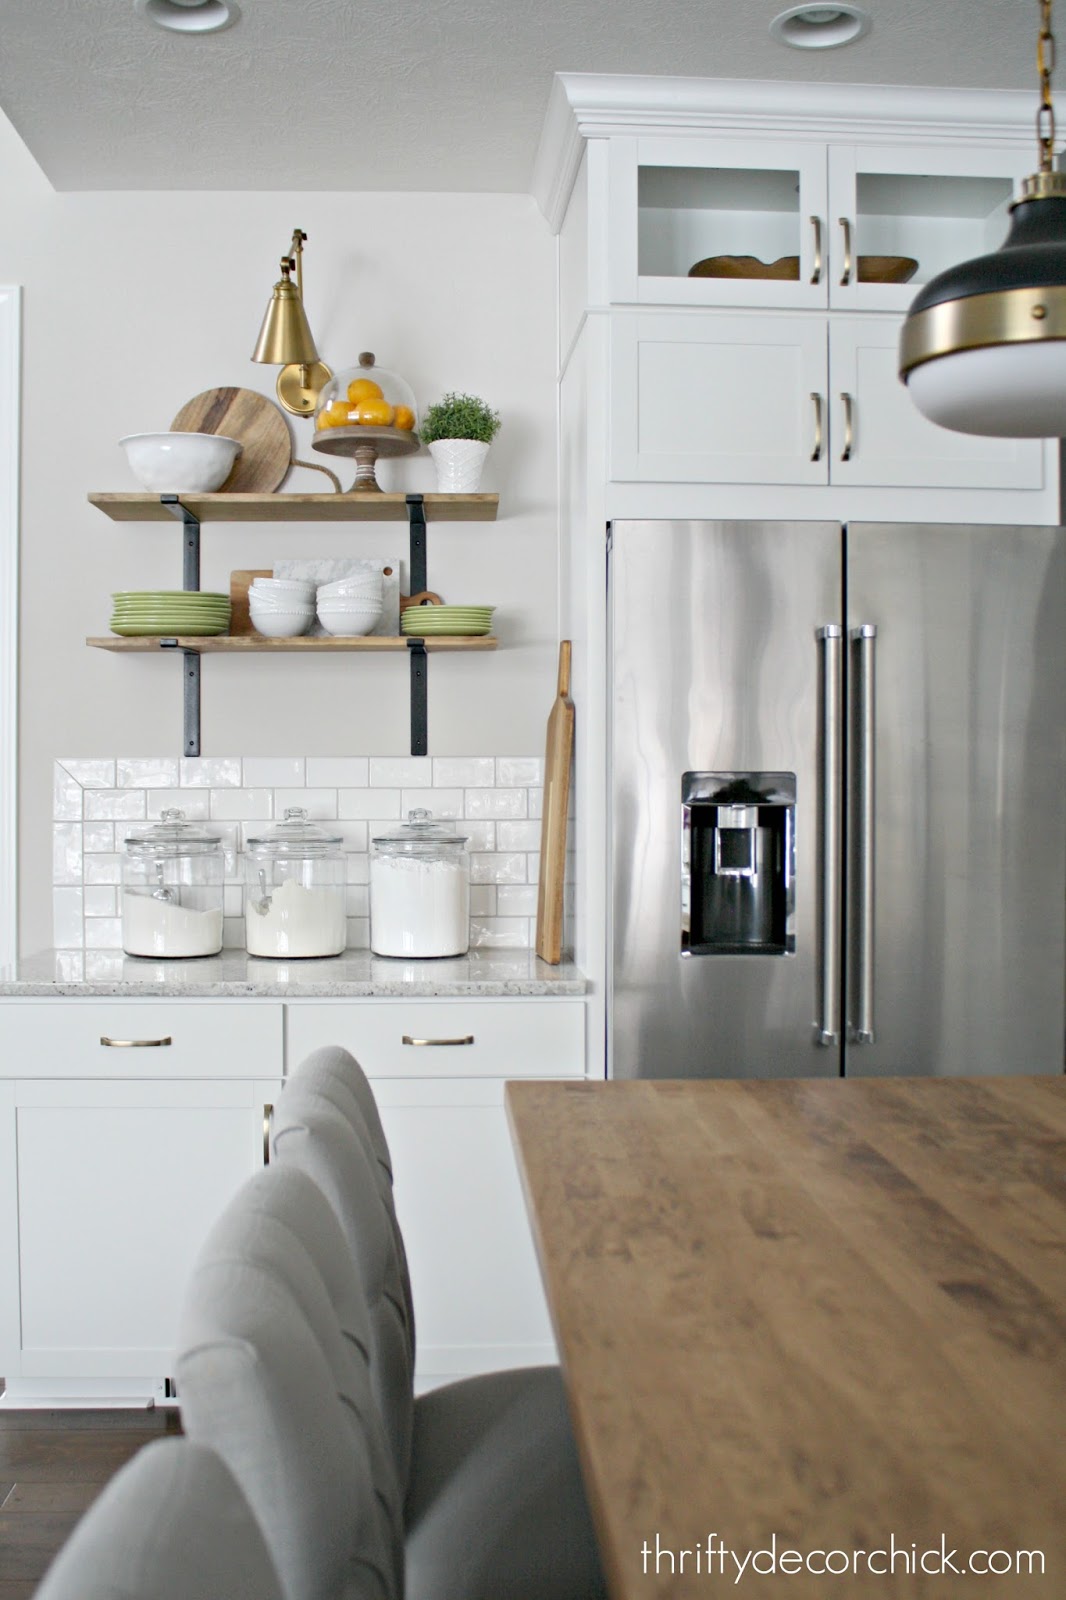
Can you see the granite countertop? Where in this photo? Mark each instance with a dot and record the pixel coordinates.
(234, 973)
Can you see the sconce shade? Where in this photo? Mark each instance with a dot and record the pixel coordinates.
(285, 338)
(983, 349)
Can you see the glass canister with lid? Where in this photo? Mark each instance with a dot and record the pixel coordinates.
(420, 889)
(172, 876)
(294, 895)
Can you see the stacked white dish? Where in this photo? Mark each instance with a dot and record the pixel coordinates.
(351, 606)
(281, 608)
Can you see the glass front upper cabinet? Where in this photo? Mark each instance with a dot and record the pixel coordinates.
(703, 221)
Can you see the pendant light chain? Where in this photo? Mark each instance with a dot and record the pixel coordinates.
(1045, 66)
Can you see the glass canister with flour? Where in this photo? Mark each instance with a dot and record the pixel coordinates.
(294, 894)
(420, 889)
(172, 890)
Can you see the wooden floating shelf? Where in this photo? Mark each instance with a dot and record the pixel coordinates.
(223, 643)
(298, 507)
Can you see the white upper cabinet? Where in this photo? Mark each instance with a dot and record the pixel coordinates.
(855, 227)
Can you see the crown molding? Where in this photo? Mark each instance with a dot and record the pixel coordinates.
(585, 105)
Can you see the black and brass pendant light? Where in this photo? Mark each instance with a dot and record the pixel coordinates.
(285, 339)
(983, 348)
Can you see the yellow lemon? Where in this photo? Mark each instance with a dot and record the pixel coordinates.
(371, 413)
(363, 389)
(404, 418)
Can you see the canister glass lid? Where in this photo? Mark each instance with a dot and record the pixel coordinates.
(295, 835)
(172, 836)
(421, 834)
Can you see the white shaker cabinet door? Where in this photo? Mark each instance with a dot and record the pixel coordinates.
(879, 438)
(118, 1182)
(479, 1303)
(718, 398)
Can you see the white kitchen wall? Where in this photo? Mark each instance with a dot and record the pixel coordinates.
(98, 800)
(134, 303)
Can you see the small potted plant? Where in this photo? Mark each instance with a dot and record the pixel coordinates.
(458, 431)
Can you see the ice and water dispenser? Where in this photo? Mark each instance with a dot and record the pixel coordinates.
(738, 863)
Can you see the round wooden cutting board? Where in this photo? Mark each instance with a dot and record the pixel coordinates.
(259, 425)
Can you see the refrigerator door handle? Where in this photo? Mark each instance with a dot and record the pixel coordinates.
(826, 1029)
(861, 875)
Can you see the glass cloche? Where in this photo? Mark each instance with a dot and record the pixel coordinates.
(366, 412)
(367, 396)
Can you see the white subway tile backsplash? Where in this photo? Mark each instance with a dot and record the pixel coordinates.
(320, 804)
(195, 803)
(338, 772)
(103, 933)
(497, 868)
(210, 772)
(101, 900)
(234, 805)
(103, 966)
(70, 966)
(518, 835)
(276, 771)
(128, 804)
(68, 928)
(479, 835)
(98, 836)
(66, 796)
(519, 772)
(495, 801)
(140, 772)
(516, 900)
(535, 798)
(368, 803)
(66, 853)
(441, 802)
(400, 772)
(103, 868)
(464, 772)
(91, 774)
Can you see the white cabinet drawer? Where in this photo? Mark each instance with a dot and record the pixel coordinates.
(149, 1039)
(455, 1038)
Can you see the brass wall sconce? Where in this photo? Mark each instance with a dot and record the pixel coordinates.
(285, 339)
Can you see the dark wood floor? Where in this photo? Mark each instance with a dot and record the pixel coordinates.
(53, 1464)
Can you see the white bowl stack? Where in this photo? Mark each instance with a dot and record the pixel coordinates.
(351, 606)
(281, 608)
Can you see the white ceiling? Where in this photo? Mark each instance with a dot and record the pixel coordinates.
(417, 94)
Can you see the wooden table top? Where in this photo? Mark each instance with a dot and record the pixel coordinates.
(830, 1312)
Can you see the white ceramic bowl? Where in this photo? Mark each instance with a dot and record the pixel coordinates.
(285, 602)
(348, 619)
(301, 589)
(353, 588)
(181, 463)
(280, 624)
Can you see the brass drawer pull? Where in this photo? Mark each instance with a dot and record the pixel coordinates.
(406, 1039)
(268, 1118)
(134, 1044)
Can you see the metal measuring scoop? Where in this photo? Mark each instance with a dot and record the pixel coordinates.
(262, 905)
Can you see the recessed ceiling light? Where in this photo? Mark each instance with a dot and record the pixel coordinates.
(189, 16)
(815, 27)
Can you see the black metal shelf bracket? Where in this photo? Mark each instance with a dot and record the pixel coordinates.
(416, 569)
(190, 579)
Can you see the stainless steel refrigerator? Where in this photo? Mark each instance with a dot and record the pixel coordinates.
(838, 799)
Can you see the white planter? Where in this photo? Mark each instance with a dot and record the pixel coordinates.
(459, 463)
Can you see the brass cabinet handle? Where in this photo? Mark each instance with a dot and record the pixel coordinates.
(845, 276)
(268, 1118)
(816, 453)
(849, 429)
(816, 224)
(467, 1039)
(134, 1044)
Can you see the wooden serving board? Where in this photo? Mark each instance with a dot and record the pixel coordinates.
(558, 755)
(257, 422)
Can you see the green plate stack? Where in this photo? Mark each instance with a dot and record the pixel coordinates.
(146, 612)
(430, 622)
